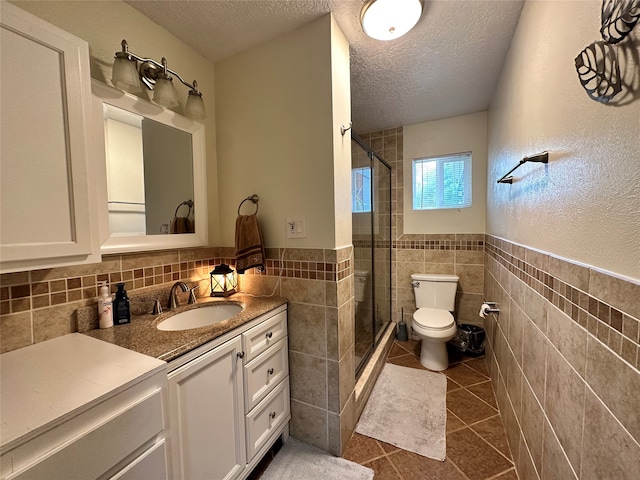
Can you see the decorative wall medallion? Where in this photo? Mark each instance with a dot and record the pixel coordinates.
(618, 19)
(598, 70)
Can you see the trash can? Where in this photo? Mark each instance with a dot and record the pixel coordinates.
(469, 339)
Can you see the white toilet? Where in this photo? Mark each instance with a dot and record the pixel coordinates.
(432, 321)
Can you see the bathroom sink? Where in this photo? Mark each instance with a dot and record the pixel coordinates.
(200, 317)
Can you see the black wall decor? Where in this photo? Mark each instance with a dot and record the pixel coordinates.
(598, 65)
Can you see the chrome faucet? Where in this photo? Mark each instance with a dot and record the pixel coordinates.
(173, 300)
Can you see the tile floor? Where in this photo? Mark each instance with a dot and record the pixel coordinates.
(477, 447)
(476, 443)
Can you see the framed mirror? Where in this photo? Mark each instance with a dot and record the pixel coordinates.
(151, 174)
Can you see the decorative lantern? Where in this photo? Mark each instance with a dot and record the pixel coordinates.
(223, 281)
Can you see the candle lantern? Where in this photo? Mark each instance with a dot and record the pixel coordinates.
(223, 281)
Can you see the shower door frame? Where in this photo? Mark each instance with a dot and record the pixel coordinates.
(376, 335)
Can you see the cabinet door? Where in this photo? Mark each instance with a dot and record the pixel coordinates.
(44, 124)
(207, 415)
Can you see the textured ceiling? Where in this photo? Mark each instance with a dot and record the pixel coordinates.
(447, 65)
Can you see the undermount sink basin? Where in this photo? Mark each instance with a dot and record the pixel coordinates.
(200, 317)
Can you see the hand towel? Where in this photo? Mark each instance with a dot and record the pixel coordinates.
(182, 225)
(249, 245)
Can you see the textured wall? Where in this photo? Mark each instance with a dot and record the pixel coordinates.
(585, 204)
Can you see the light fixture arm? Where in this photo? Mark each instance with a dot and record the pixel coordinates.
(150, 69)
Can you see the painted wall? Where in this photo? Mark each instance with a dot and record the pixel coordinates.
(585, 204)
(103, 25)
(562, 257)
(276, 135)
(441, 137)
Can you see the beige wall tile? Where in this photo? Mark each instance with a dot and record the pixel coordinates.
(571, 273)
(333, 387)
(470, 257)
(537, 259)
(346, 330)
(347, 377)
(410, 256)
(439, 256)
(54, 321)
(569, 338)
(619, 293)
(524, 465)
(471, 278)
(532, 425)
(309, 424)
(307, 329)
(308, 377)
(609, 451)
(468, 308)
(564, 404)
(305, 254)
(536, 307)
(15, 331)
(303, 291)
(615, 383)
(515, 334)
(554, 461)
(514, 381)
(534, 353)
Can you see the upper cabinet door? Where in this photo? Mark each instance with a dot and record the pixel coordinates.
(45, 115)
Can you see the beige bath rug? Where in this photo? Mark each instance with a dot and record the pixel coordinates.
(300, 461)
(407, 408)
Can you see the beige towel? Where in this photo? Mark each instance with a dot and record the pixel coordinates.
(249, 245)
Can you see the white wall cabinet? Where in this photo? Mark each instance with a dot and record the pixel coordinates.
(45, 121)
(229, 401)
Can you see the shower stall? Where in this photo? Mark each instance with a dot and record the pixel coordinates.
(371, 223)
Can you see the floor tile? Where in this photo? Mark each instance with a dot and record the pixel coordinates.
(492, 430)
(453, 422)
(396, 351)
(411, 346)
(387, 447)
(478, 364)
(508, 475)
(407, 361)
(362, 449)
(451, 385)
(476, 458)
(485, 392)
(467, 407)
(416, 467)
(383, 469)
(464, 375)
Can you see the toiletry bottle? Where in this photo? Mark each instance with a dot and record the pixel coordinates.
(121, 314)
(105, 311)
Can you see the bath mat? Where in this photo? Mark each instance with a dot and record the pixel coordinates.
(300, 461)
(407, 408)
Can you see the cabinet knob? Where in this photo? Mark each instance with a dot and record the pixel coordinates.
(272, 415)
(240, 354)
(269, 334)
(270, 371)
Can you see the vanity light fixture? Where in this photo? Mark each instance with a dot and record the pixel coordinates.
(389, 19)
(223, 281)
(129, 69)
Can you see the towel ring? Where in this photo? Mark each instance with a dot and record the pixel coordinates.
(188, 203)
(253, 199)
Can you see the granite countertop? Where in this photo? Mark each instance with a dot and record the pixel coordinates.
(142, 336)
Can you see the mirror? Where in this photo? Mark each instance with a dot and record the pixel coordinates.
(152, 174)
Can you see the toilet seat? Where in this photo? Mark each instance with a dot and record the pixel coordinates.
(434, 319)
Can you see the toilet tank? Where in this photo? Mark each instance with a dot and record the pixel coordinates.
(435, 290)
(360, 283)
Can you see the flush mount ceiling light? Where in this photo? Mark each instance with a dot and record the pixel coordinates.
(127, 75)
(389, 19)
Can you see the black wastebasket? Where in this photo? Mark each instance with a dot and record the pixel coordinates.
(469, 339)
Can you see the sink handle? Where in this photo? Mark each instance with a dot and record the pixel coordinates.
(192, 295)
(157, 308)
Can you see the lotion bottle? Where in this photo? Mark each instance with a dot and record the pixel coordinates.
(105, 310)
(121, 312)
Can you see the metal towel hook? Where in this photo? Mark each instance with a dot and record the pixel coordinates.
(253, 199)
(344, 129)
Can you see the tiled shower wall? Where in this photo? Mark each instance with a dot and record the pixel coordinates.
(564, 360)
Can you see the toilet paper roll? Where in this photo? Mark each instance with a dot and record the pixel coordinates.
(484, 310)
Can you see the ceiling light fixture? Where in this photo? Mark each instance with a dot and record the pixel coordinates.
(127, 75)
(389, 19)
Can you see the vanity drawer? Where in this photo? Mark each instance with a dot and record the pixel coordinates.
(257, 339)
(263, 373)
(270, 414)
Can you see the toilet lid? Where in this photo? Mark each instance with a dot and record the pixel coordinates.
(433, 318)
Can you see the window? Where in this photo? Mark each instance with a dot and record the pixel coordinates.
(361, 190)
(442, 182)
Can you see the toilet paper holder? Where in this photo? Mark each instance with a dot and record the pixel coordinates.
(492, 308)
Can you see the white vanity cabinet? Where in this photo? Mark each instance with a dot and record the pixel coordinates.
(45, 118)
(229, 400)
(78, 408)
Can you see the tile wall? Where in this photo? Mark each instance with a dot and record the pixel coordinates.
(564, 359)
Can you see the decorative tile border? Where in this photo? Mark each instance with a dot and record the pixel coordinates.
(614, 327)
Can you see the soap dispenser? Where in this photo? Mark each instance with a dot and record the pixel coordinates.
(121, 313)
(105, 304)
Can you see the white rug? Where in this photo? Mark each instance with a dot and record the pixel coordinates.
(407, 408)
(300, 461)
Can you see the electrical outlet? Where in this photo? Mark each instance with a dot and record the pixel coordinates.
(296, 227)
